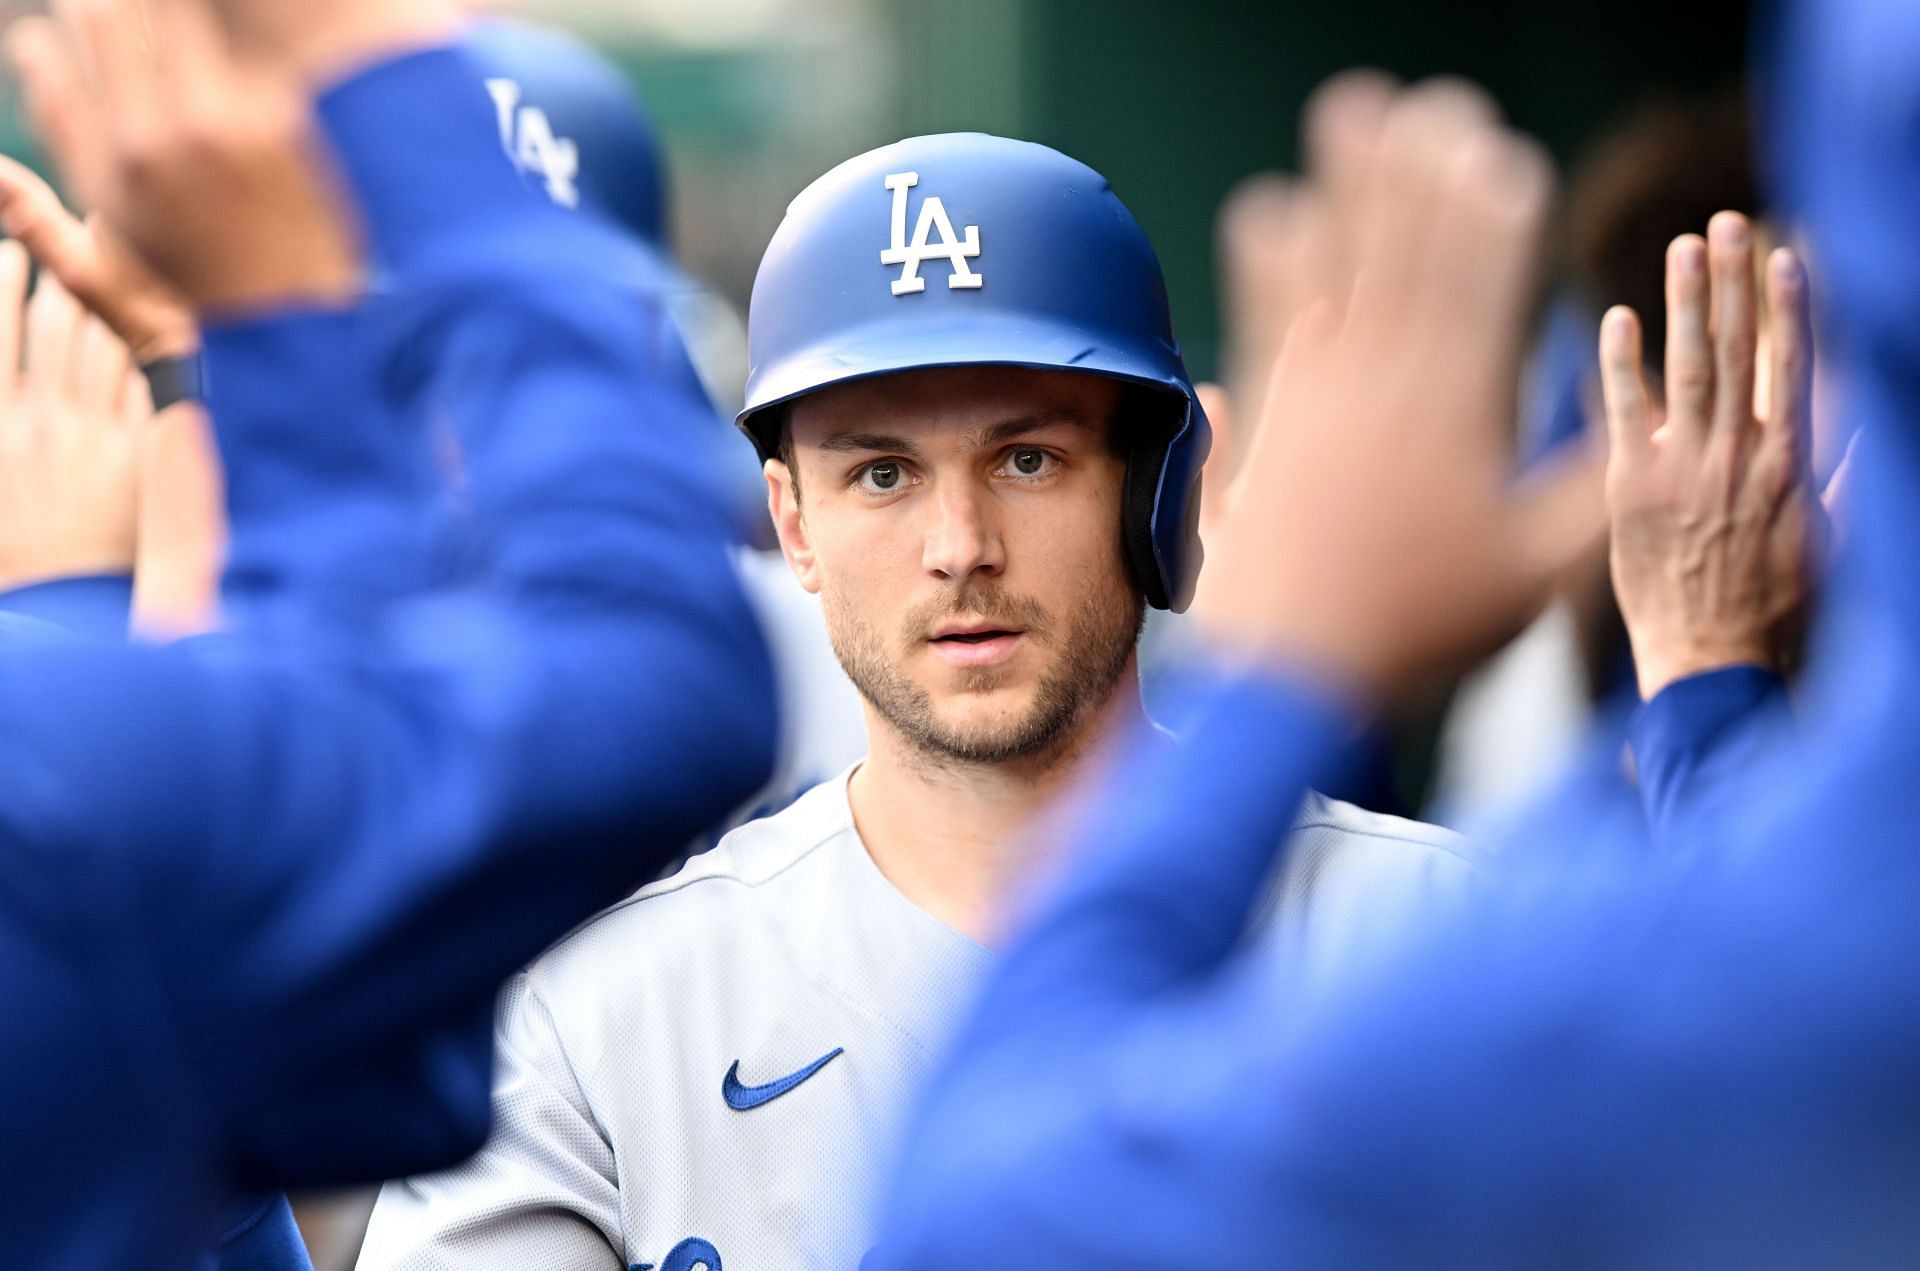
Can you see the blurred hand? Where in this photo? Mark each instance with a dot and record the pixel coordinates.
(203, 161)
(102, 272)
(68, 435)
(1712, 506)
(1372, 533)
(328, 41)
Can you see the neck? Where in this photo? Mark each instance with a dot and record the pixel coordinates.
(947, 833)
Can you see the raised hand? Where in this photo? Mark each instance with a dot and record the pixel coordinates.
(1713, 509)
(99, 270)
(69, 435)
(1373, 533)
(203, 160)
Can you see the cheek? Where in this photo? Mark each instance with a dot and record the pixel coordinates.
(865, 557)
(1069, 545)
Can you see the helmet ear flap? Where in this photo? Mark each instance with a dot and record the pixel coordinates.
(1160, 501)
(1146, 458)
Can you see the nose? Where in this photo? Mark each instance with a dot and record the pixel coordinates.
(963, 538)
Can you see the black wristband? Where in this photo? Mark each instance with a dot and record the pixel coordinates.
(172, 380)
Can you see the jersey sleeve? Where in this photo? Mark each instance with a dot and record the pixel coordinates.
(1698, 747)
(316, 848)
(543, 1192)
(88, 606)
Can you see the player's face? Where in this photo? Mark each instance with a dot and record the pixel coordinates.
(962, 528)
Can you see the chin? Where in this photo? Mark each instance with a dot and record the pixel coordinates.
(983, 715)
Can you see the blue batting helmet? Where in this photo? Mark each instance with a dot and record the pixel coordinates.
(964, 249)
(572, 121)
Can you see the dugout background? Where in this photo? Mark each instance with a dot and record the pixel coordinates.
(1174, 100)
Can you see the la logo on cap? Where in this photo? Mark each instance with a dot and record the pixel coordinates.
(911, 255)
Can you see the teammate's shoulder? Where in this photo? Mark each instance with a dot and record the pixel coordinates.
(1345, 824)
(749, 858)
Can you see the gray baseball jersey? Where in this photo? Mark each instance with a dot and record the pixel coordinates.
(717, 1068)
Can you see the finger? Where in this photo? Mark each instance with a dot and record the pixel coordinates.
(1256, 228)
(110, 38)
(1788, 416)
(13, 295)
(1483, 259)
(192, 47)
(102, 366)
(1340, 134)
(1689, 369)
(1217, 472)
(1734, 321)
(60, 105)
(1623, 385)
(1429, 136)
(53, 334)
(32, 214)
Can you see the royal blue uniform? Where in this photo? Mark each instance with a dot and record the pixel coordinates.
(257, 892)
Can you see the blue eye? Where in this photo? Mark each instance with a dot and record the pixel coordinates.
(1028, 462)
(882, 478)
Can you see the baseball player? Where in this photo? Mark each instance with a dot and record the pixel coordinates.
(259, 893)
(982, 451)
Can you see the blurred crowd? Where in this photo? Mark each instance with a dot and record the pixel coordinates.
(511, 762)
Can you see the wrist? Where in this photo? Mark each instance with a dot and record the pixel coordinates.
(1659, 663)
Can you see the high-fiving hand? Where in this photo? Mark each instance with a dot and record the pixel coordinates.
(1713, 508)
(92, 263)
(69, 435)
(203, 160)
(1373, 533)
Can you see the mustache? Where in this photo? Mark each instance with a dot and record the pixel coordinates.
(988, 602)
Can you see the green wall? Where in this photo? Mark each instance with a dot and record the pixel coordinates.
(1176, 101)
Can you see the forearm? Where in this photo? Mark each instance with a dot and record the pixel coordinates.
(371, 821)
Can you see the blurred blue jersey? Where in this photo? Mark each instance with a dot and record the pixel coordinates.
(1704, 1060)
(257, 892)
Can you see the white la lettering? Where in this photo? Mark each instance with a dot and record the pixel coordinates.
(527, 136)
(933, 216)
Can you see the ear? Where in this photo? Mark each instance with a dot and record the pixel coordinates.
(783, 505)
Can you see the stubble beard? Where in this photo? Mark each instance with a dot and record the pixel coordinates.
(1093, 653)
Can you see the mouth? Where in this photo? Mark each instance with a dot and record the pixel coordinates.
(975, 645)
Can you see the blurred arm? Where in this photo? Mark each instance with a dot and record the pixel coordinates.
(327, 846)
(544, 1190)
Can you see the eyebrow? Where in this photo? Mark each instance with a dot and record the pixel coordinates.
(993, 434)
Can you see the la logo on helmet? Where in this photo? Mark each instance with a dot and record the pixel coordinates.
(911, 255)
(528, 138)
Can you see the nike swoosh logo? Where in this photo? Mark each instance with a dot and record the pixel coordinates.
(741, 1098)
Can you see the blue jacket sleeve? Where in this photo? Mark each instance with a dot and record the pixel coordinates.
(1700, 746)
(313, 851)
(92, 606)
(259, 1234)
